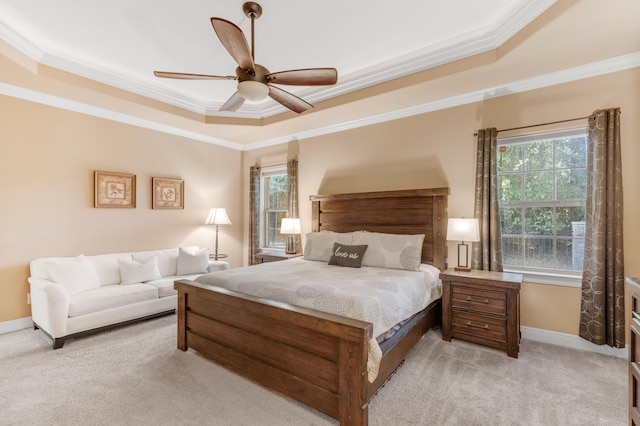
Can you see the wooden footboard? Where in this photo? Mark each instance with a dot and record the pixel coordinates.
(316, 358)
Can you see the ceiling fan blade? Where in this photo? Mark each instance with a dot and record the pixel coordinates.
(305, 77)
(188, 76)
(233, 40)
(234, 102)
(289, 100)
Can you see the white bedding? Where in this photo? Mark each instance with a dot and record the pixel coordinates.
(383, 297)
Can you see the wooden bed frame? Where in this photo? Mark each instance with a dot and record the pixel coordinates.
(317, 358)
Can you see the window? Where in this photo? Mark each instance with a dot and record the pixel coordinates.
(274, 207)
(542, 188)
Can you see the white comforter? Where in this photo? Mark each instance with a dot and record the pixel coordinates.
(383, 297)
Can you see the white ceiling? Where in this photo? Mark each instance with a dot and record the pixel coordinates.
(121, 42)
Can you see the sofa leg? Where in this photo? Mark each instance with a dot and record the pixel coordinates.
(58, 342)
(35, 326)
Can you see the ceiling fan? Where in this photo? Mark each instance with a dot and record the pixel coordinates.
(255, 82)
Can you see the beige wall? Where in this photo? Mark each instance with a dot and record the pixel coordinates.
(47, 159)
(437, 149)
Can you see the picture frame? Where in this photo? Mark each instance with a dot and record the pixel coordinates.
(167, 193)
(114, 190)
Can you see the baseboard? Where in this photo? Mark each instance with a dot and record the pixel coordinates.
(570, 341)
(15, 325)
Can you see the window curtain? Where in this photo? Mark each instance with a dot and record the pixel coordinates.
(486, 254)
(254, 214)
(602, 306)
(292, 194)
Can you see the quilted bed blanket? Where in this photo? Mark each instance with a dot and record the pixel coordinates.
(383, 297)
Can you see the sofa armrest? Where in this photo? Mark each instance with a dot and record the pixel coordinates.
(217, 265)
(49, 306)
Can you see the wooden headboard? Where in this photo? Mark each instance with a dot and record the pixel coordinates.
(412, 211)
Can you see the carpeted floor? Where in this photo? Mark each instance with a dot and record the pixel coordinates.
(134, 375)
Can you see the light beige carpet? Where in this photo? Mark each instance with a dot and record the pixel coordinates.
(134, 375)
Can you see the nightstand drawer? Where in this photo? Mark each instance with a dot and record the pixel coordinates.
(485, 301)
(476, 325)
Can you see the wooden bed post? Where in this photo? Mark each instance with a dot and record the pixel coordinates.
(354, 408)
(182, 320)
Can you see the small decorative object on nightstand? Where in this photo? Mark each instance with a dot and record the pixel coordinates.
(276, 257)
(482, 307)
(217, 217)
(461, 229)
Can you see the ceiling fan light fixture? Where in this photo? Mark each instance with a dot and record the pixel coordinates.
(253, 90)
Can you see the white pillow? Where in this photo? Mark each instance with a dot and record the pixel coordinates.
(192, 261)
(167, 260)
(76, 274)
(137, 272)
(319, 245)
(393, 251)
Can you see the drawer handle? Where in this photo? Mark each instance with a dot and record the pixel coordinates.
(472, 300)
(485, 327)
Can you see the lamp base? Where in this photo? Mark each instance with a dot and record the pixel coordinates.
(291, 245)
(460, 269)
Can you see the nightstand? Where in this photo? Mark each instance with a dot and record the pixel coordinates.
(482, 307)
(275, 256)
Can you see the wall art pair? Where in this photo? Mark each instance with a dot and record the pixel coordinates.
(118, 190)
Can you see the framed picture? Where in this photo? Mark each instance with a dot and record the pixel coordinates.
(114, 190)
(167, 193)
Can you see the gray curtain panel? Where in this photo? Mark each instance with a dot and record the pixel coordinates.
(254, 214)
(486, 255)
(292, 194)
(602, 309)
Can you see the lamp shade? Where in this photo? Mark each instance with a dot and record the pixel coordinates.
(461, 229)
(290, 226)
(217, 216)
(253, 90)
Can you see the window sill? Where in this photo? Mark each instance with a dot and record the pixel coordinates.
(562, 280)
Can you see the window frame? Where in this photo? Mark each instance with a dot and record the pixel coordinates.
(552, 276)
(264, 210)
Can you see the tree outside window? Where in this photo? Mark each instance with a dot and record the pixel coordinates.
(275, 207)
(542, 187)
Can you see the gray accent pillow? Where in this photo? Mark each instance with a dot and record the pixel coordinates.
(345, 255)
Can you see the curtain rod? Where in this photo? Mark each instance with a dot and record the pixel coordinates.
(545, 124)
(541, 124)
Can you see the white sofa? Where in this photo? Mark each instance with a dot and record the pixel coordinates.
(71, 296)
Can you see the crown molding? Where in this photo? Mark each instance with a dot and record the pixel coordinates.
(594, 69)
(471, 43)
(83, 108)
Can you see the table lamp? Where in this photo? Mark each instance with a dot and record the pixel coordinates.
(461, 229)
(217, 216)
(290, 227)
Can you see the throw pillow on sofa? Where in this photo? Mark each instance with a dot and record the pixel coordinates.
(192, 261)
(76, 274)
(132, 271)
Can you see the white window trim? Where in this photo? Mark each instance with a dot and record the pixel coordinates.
(268, 171)
(549, 277)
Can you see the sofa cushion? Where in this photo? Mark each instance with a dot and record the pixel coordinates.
(192, 261)
(136, 272)
(108, 267)
(110, 296)
(167, 260)
(76, 274)
(165, 284)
